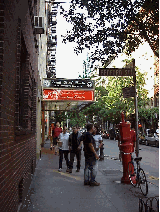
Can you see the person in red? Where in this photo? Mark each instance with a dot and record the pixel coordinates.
(56, 132)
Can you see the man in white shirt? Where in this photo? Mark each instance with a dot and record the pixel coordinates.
(157, 131)
(98, 139)
(64, 149)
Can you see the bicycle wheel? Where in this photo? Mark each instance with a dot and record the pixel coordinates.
(143, 182)
(131, 174)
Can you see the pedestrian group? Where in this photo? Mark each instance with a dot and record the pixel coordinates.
(72, 143)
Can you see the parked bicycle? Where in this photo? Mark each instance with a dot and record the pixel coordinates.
(137, 177)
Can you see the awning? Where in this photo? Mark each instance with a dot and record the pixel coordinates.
(64, 106)
(67, 94)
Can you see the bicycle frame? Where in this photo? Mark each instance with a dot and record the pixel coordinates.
(140, 179)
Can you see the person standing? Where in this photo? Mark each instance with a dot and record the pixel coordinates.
(75, 146)
(64, 148)
(51, 129)
(56, 132)
(98, 142)
(98, 139)
(90, 157)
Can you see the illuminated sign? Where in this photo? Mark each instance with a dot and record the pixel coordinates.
(68, 83)
(68, 95)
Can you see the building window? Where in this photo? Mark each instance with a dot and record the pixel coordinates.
(23, 110)
(25, 90)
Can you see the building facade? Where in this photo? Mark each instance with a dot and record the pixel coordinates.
(42, 66)
(20, 99)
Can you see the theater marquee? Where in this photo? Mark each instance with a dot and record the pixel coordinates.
(68, 95)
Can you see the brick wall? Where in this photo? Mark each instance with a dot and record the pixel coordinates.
(17, 141)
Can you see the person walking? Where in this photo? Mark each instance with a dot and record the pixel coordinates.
(51, 130)
(63, 148)
(56, 132)
(90, 157)
(75, 146)
(98, 142)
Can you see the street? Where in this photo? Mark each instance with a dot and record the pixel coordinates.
(149, 154)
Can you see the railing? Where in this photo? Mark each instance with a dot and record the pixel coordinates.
(149, 205)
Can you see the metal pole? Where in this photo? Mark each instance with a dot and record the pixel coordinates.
(136, 110)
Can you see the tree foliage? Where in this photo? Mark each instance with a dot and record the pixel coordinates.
(111, 25)
(149, 115)
(109, 100)
(76, 118)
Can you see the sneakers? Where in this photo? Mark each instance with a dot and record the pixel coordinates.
(78, 170)
(59, 169)
(86, 183)
(94, 183)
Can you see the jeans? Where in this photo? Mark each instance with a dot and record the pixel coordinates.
(65, 152)
(89, 171)
(78, 156)
(55, 141)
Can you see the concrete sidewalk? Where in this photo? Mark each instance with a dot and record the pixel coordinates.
(51, 190)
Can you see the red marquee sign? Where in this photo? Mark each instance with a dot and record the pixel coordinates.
(68, 95)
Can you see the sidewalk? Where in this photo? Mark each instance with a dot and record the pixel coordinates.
(51, 190)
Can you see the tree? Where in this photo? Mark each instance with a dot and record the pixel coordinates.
(60, 116)
(149, 117)
(109, 98)
(76, 118)
(107, 25)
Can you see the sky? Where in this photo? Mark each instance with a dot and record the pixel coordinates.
(68, 64)
(144, 60)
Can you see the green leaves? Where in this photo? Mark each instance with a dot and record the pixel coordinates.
(114, 24)
(109, 97)
(149, 115)
(110, 102)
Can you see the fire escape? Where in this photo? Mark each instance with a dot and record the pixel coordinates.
(52, 42)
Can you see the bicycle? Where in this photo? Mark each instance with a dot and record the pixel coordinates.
(137, 176)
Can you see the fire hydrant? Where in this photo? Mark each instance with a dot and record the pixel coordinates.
(126, 148)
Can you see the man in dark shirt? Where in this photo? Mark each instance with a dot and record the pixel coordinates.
(90, 157)
(75, 145)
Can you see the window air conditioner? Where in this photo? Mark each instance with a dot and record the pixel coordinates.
(39, 25)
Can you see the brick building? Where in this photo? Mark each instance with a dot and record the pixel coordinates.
(19, 79)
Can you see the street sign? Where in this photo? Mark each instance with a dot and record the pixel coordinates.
(69, 83)
(128, 92)
(68, 95)
(116, 72)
